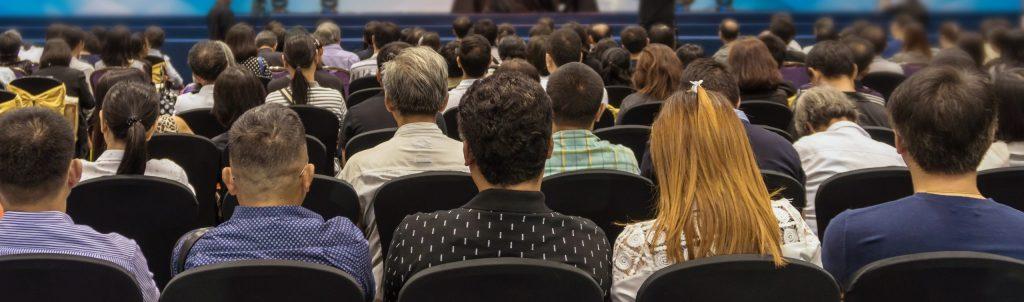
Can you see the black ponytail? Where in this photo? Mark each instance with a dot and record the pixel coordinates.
(130, 109)
(300, 88)
(135, 153)
(300, 52)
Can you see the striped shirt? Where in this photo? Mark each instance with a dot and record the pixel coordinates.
(53, 232)
(576, 150)
(322, 97)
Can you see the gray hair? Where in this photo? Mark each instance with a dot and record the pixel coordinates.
(230, 56)
(267, 146)
(415, 81)
(817, 106)
(328, 33)
(266, 38)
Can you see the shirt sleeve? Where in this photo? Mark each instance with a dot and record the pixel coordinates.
(140, 271)
(172, 73)
(834, 250)
(394, 275)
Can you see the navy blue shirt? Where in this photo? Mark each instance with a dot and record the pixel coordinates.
(920, 223)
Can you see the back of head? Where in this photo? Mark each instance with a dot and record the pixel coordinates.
(991, 26)
(416, 82)
(384, 33)
(207, 60)
(722, 195)
(116, 47)
(433, 40)
(328, 33)
(634, 38)
(300, 53)
(389, 52)
(615, 66)
(236, 90)
(782, 27)
(36, 148)
(512, 47)
(825, 29)
(580, 30)
(519, 66)
(775, 46)
(955, 58)
(575, 91)
(689, 52)
(241, 38)
(753, 65)
(1011, 47)
(487, 29)
(536, 53)
(863, 53)
(266, 38)
(833, 59)
(55, 31)
(115, 77)
(368, 30)
(877, 36)
(818, 106)
(658, 72)
(10, 46)
(715, 76)
(129, 110)
(603, 45)
(156, 37)
(461, 26)
(916, 39)
(1008, 87)
(974, 44)
(139, 48)
(539, 30)
(474, 55)
(564, 47)
(268, 149)
(944, 119)
(450, 52)
(412, 35)
(599, 31)
(56, 52)
(75, 37)
(505, 30)
(663, 34)
(729, 30)
(505, 121)
(949, 31)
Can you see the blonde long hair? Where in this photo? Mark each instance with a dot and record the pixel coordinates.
(711, 191)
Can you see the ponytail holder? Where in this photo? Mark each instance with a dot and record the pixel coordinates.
(696, 85)
(133, 120)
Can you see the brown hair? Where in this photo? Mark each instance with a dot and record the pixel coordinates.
(753, 65)
(916, 39)
(658, 72)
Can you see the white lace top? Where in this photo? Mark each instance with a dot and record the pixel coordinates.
(634, 261)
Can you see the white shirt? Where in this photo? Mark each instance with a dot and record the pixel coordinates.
(794, 46)
(84, 68)
(844, 147)
(1002, 154)
(202, 99)
(34, 53)
(882, 65)
(633, 261)
(321, 97)
(364, 68)
(106, 165)
(7, 75)
(455, 95)
(415, 148)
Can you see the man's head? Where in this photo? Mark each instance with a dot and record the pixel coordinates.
(863, 53)
(563, 48)
(268, 161)
(782, 26)
(575, 91)
(512, 47)
(661, 33)
(519, 66)
(728, 30)
(387, 53)
(207, 60)
(634, 38)
(716, 78)
(450, 52)
(384, 33)
(266, 38)
(461, 26)
(825, 29)
(10, 46)
(36, 166)
(415, 83)
(474, 56)
(877, 36)
(944, 120)
(328, 33)
(776, 47)
(831, 60)
(155, 36)
(505, 123)
(599, 31)
(487, 29)
(689, 52)
(818, 107)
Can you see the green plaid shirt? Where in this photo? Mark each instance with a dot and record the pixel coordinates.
(580, 150)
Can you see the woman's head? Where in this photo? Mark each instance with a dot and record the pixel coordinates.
(103, 86)
(56, 52)
(615, 67)
(536, 54)
(116, 47)
(1008, 88)
(818, 107)
(753, 65)
(241, 38)
(658, 72)
(128, 117)
(236, 91)
(300, 54)
(915, 39)
(710, 189)
(139, 46)
(974, 44)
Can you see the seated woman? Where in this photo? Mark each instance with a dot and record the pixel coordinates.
(757, 72)
(916, 49)
(615, 67)
(701, 198)
(241, 38)
(127, 120)
(164, 123)
(116, 46)
(658, 74)
(55, 63)
(236, 91)
(300, 54)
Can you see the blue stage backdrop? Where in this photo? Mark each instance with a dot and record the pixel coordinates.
(57, 8)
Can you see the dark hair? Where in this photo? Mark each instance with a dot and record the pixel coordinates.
(536, 52)
(92, 44)
(236, 91)
(138, 46)
(505, 120)
(10, 47)
(116, 47)
(546, 22)
(74, 36)
(944, 119)
(156, 36)
(241, 39)
(753, 65)
(615, 67)
(450, 52)
(539, 30)
(716, 78)
(430, 39)
(384, 33)
(729, 29)
(832, 59)
(265, 141)
(129, 111)
(974, 44)
(956, 58)
(634, 38)
(389, 52)
(580, 30)
(56, 52)
(55, 31)
(601, 46)
(36, 148)
(512, 47)
(266, 38)
(412, 35)
(521, 66)
(278, 29)
(487, 29)
(475, 55)
(300, 53)
(564, 47)
(990, 27)
(776, 47)
(877, 36)
(782, 26)
(661, 33)
(657, 72)
(689, 52)
(1008, 87)
(950, 31)
(863, 53)
(207, 60)
(505, 30)
(825, 29)
(461, 26)
(575, 92)
(368, 30)
(1011, 48)
(916, 39)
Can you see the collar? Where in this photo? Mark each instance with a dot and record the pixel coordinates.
(742, 115)
(334, 46)
(110, 155)
(206, 89)
(243, 212)
(847, 126)
(575, 133)
(44, 217)
(500, 200)
(418, 129)
(467, 82)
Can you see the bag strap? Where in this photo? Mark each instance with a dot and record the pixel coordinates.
(186, 247)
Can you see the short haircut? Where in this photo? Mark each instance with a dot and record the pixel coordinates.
(117, 47)
(661, 33)
(575, 91)
(974, 44)
(956, 58)
(328, 33)
(266, 38)
(689, 52)
(950, 31)
(55, 31)
(416, 81)
(580, 30)
(267, 144)
(505, 30)
(10, 46)
(820, 105)
(521, 66)
(832, 59)
(825, 29)
(539, 30)
(56, 52)
(505, 121)
(782, 26)
(536, 53)
(156, 36)
(389, 52)
(487, 29)
(207, 60)
(461, 26)
(776, 47)
(1008, 88)
(863, 53)
(74, 36)
(36, 148)
(716, 78)
(634, 38)
(729, 29)
(432, 40)
(384, 33)
(564, 47)
(512, 47)
(475, 55)
(599, 31)
(237, 90)
(877, 36)
(450, 52)
(241, 38)
(944, 119)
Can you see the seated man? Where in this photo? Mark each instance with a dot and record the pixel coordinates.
(36, 175)
(474, 58)
(944, 121)
(575, 92)
(381, 34)
(414, 92)
(506, 122)
(206, 60)
(831, 63)
(270, 174)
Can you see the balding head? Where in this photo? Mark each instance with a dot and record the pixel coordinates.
(268, 160)
(728, 30)
(415, 82)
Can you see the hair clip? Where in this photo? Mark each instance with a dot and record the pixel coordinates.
(696, 85)
(133, 120)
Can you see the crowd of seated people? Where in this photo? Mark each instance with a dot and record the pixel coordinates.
(528, 108)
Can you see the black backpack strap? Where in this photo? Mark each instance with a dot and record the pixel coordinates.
(190, 240)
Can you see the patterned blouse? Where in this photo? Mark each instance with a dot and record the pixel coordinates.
(633, 260)
(258, 66)
(166, 124)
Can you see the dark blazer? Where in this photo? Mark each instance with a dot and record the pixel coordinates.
(219, 20)
(325, 79)
(273, 57)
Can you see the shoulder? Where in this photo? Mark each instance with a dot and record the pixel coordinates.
(113, 244)
(344, 229)
(635, 235)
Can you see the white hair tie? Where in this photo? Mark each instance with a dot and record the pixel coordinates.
(696, 85)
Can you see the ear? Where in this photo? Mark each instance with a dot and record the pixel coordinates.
(470, 160)
(103, 123)
(856, 71)
(581, 57)
(307, 177)
(550, 62)
(815, 75)
(373, 42)
(150, 132)
(229, 181)
(388, 104)
(600, 112)
(458, 61)
(551, 147)
(74, 173)
(899, 144)
(445, 105)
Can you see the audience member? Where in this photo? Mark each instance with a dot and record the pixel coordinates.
(321, 76)
(433, 40)
(37, 172)
(663, 34)
(367, 50)
(504, 30)
(539, 30)
(634, 39)
(728, 31)
(236, 91)
(372, 113)
(115, 50)
(55, 63)
(688, 53)
(782, 26)
(897, 29)
(721, 191)
(536, 54)
(474, 59)
(599, 31)
(956, 58)
(266, 41)
(270, 174)
(916, 49)
(10, 46)
(1010, 45)
(241, 38)
(657, 76)
(511, 47)
(757, 72)
(831, 63)
(944, 120)
(461, 26)
(564, 48)
(781, 54)
(1008, 149)
(219, 20)
(450, 53)
(521, 66)
(974, 44)
(506, 124)
(601, 46)
(487, 29)
(300, 59)
(949, 34)
(615, 68)
(207, 60)
(164, 123)
(329, 35)
(876, 35)
(156, 37)
(75, 38)
(824, 30)
(382, 34)
(991, 29)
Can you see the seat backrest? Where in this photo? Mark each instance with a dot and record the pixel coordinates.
(797, 75)
(617, 93)
(153, 211)
(187, 242)
(767, 113)
(263, 280)
(635, 137)
(368, 140)
(736, 278)
(786, 187)
(610, 198)
(321, 124)
(317, 153)
(202, 122)
(35, 85)
(939, 276)
(1003, 185)
(857, 189)
(501, 279)
(451, 121)
(643, 115)
(882, 134)
(362, 83)
(361, 95)
(328, 196)
(56, 277)
(418, 193)
(202, 163)
(883, 82)
(780, 132)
